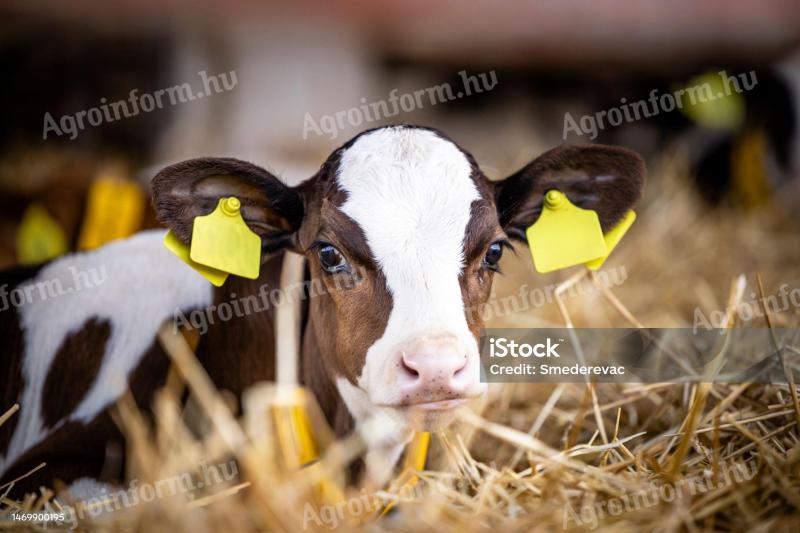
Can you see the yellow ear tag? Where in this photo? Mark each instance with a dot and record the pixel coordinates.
(416, 457)
(223, 241)
(114, 210)
(564, 235)
(39, 237)
(174, 245)
(724, 110)
(612, 238)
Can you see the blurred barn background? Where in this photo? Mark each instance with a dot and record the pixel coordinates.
(299, 62)
(723, 193)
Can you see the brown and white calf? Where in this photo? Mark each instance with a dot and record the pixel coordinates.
(404, 205)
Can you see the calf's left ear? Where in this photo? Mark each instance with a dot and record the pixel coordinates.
(193, 188)
(605, 179)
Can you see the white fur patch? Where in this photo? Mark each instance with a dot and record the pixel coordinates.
(385, 438)
(85, 488)
(411, 192)
(135, 284)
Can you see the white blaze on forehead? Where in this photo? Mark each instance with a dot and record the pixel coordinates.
(411, 193)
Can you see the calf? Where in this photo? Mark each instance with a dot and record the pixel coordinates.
(403, 206)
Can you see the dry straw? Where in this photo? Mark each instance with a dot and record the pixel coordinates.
(704, 456)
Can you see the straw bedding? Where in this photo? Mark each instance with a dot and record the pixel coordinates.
(631, 457)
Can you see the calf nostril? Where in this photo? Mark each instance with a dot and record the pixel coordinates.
(460, 369)
(431, 370)
(408, 369)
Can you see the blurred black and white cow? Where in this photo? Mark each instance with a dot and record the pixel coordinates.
(404, 205)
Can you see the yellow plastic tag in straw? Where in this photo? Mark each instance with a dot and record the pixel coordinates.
(297, 441)
(612, 238)
(174, 245)
(114, 210)
(223, 241)
(416, 457)
(564, 235)
(417, 452)
(294, 435)
(300, 426)
(39, 237)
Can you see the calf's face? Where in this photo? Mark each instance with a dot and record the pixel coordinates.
(411, 216)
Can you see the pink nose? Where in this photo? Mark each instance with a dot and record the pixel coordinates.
(433, 369)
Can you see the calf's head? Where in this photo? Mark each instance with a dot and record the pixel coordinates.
(423, 227)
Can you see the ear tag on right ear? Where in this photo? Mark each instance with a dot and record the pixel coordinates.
(176, 246)
(222, 240)
(564, 235)
(612, 238)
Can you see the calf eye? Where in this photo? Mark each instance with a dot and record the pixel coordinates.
(332, 260)
(493, 255)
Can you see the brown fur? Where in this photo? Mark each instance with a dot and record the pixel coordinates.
(10, 373)
(344, 322)
(476, 282)
(239, 352)
(94, 449)
(79, 357)
(12, 381)
(193, 188)
(607, 179)
(73, 451)
(341, 321)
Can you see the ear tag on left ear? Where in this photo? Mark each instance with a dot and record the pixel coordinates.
(612, 238)
(177, 247)
(223, 241)
(564, 235)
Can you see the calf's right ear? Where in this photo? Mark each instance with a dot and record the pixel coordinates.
(192, 188)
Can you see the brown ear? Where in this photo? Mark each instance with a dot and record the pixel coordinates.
(606, 179)
(193, 188)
